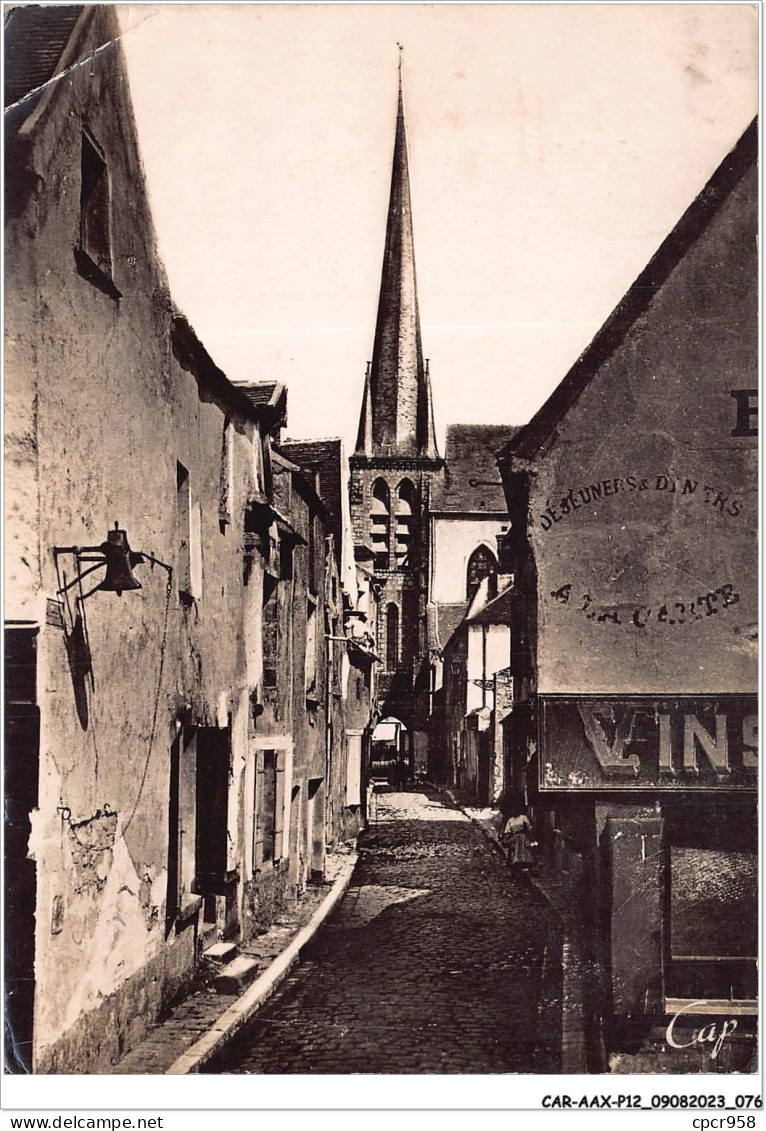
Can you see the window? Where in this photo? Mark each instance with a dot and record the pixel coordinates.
(174, 892)
(259, 464)
(315, 827)
(311, 647)
(286, 546)
(379, 523)
(227, 475)
(269, 806)
(95, 208)
(336, 656)
(354, 771)
(270, 630)
(184, 528)
(481, 564)
(189, 531)
(392, 637)
(212, 811)
(405, 507)
(181, 847)
(311, 551)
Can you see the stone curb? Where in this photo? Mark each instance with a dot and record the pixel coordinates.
(573, 1054)
(233, 1018)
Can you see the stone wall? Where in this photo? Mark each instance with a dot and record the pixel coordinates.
(643, 513)
(106, 407)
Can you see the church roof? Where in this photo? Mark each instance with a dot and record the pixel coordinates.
(495, 611)
(397, 414)
(471, 481)
(443, 621)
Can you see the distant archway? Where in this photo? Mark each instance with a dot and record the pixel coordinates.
(391, 751)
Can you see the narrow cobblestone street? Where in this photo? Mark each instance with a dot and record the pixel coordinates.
(433, 962)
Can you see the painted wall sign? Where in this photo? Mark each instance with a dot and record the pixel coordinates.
(645, 742)
(670, 612)
(747, 412)
(721, 499)
(643, 501)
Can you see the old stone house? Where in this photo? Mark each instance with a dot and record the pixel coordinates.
(468, 518)
(129, 690)
(167, 580)
(477, 694)
(351, 612)
(635, 733)
(290, 733)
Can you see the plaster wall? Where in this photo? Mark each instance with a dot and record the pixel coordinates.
(480, 666)
(294, 719)
(647, 581)
(454, 540)
(100, 411)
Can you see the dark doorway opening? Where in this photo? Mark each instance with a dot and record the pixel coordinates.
(711, 897)
(22, 769)
(173, 900)
(212, 810)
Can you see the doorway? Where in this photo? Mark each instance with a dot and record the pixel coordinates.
(711, 898)
(22, 770)
(316, 829)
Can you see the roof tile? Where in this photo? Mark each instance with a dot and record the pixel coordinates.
(35, 37)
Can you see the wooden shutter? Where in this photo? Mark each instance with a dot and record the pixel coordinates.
(279, 807)
(257, 822)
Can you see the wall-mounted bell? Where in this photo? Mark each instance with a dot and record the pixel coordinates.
(120, 560)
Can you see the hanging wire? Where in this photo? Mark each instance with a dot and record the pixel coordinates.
(80, 610)
(86, 635)
(163, 646)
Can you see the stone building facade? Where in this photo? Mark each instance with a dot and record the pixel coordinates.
(170, 583)
(476, 695)
(635, 736)
(424, 524)
(351, 614)
(394, 466)
(468, 520)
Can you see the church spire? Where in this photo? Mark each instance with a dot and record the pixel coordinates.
(397, 416)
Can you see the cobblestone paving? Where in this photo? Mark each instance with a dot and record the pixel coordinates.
(432, 963)
(202, 1009)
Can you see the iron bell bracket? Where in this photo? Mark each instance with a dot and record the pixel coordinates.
(116, 555)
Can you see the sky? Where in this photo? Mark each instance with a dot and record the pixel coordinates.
(552, 148)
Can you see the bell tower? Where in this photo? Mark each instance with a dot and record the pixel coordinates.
(395, 463)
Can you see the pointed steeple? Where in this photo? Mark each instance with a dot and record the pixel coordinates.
(397, 415)
(364, 436)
